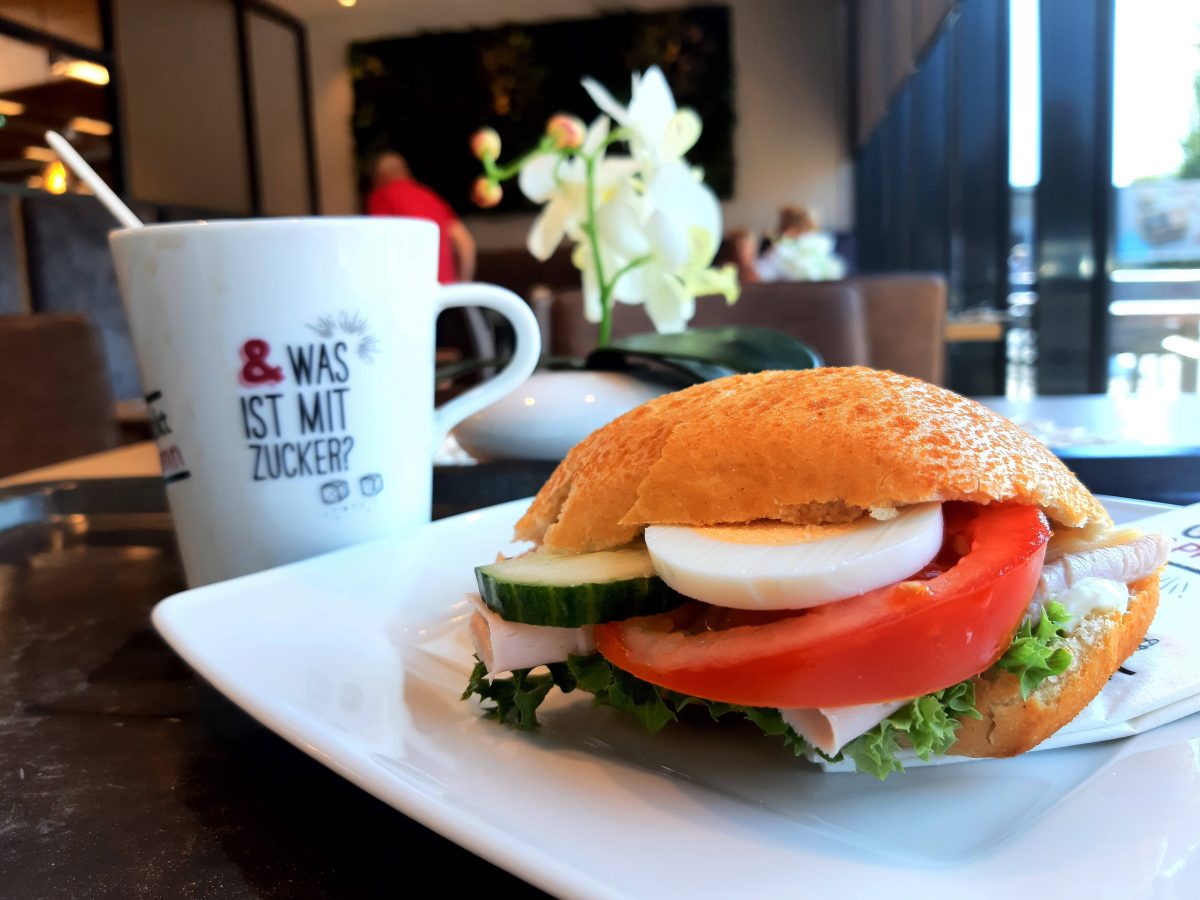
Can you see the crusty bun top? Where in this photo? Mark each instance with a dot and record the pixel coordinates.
(811, 446)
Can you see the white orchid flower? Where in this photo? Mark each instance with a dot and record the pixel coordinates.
(620, 223)
(670, 292)
(641, 257)
(671, 230)
(657, 220)
(562, 186)
(676, 201)
(809, 257)
(645, 226)
(659, 133)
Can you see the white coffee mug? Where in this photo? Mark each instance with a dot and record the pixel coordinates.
(289, 369)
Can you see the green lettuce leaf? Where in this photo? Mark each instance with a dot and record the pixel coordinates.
(656, 707)
(616, 688)
(1036, 652)
(514, 700)
(927, 724)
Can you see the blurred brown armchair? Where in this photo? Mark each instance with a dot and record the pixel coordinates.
(827, 316)
(906, 317)
(55, 398)
(520, 273)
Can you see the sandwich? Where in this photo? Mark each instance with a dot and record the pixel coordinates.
(861, 564)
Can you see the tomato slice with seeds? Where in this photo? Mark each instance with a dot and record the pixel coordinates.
(951, 621)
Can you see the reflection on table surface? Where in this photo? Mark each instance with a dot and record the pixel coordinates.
(1123, 423)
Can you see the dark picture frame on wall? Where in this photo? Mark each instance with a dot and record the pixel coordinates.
(423, 95)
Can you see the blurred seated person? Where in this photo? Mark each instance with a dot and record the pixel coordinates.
(741, 249)
(396, 193)
(800, 252)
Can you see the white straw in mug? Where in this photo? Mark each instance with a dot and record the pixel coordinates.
(87, 174)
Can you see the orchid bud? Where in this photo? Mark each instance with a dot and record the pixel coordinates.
(485, 144)
(566, 131)
(486, 193)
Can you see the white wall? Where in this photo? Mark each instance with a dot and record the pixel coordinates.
(182, 103)
(22, 65)
(790, 142)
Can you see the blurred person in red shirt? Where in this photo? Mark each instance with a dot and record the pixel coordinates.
(396, 193)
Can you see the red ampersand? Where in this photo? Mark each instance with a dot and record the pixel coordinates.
(256, 369)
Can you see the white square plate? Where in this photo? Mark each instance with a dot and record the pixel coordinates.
(359, 658)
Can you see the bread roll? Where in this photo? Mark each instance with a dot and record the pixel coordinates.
(827, 445)
(816, 445)
(1099, 645)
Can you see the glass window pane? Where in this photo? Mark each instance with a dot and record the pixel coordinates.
(181, 89)
(1024, 172)
(1155, 283)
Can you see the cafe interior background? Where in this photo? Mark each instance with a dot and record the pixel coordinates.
(1038, 164)
(1010, 188)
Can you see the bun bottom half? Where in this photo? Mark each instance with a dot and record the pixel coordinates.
(1101, 643)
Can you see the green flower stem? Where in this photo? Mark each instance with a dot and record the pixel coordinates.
(589, 229)
(504, 173)
(616, 136)
(500, 173)
(604, 335)
(629, 267)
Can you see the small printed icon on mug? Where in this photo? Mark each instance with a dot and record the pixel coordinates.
(335, 491)
(370, 485)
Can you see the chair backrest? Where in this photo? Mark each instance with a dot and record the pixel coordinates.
(468, 330)
(55, 398)
(906, 315)
(828, 317)
(519, 272)
(12, 299)
(71, 271)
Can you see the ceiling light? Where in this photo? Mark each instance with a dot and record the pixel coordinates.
(80, 70)
(1177, 343)
(11, 108)
(40, 154)
(347, 3)
(54, 178)
(84, 125)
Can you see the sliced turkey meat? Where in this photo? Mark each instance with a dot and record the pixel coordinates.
(1143, 555)
(504, 646)
(829, 730)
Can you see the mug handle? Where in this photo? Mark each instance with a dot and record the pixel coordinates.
(512, 376)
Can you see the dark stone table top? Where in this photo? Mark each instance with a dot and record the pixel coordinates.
(122, 774)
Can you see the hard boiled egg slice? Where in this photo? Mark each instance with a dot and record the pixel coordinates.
(773, 565)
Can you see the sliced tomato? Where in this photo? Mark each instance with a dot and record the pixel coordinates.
(952, 621)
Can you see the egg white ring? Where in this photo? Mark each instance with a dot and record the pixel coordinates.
(796, 576)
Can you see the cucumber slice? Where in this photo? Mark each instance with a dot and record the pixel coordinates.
(569, 591)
